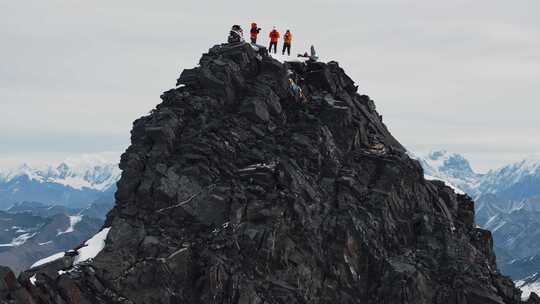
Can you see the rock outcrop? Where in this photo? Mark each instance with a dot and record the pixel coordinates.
(256, 181)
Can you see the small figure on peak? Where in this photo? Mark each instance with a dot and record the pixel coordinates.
(312, 56)
(287, 40)
(254, 32)
(274, 37)
(236, 34)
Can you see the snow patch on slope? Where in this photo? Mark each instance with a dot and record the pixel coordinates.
(33, 279)
(456, 189)
(527, 288)
(48, 259)
(73, 220)
(92, 247)
(18, 241)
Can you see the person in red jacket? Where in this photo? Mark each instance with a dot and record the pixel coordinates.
(274, 37)
(254, 32)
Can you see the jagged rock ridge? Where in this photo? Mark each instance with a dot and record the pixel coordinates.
(239, 189)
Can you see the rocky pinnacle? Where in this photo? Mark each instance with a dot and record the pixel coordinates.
(256, 181)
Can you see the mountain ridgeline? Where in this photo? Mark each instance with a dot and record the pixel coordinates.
(75, 183)
(241, 188)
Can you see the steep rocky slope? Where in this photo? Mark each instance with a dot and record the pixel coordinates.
(238, 189)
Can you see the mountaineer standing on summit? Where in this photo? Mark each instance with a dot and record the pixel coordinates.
(287, 40)
(236, 34)
(254, 32)
(274, 37)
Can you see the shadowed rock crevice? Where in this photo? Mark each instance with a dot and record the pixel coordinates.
(256, 181)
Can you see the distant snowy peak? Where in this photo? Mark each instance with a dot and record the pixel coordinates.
(517, 181)
(452, 168)
(516, 171)
(93, 171)
(450, 164)
(529, 285)
(99, 176)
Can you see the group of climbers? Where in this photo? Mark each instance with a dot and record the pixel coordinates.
(295, 90)
(274, 38)
(236, 35)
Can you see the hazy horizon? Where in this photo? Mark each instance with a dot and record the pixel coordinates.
(457, 75)
(54, 159)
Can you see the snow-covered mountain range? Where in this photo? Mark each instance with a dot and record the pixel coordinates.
(74, 181)
(507, 203)
(516, 181)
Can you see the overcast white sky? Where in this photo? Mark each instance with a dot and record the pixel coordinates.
(459, 75)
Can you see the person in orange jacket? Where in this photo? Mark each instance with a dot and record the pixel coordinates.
(287, 40)
(274, 37)
(254, 32)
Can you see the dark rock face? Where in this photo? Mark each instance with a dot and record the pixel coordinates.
(239, 189)
(533, 299)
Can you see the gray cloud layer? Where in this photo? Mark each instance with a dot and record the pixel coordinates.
(459, 75)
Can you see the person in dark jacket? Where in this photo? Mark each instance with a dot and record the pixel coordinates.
(236, 34)
(254, 32)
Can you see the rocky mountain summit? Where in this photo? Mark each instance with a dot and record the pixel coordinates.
(256, 181)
